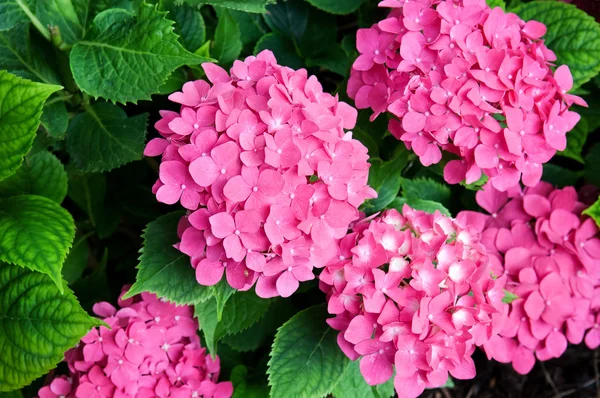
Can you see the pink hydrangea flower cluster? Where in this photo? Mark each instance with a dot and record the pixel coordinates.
(413, 290)
(449, 71)
(152, 349)
(550, 255)
(263, 164)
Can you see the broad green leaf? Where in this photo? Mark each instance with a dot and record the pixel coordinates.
(70, 17)
(22, 55)
(37, 325)
(94, 287)
(385, 178)
(11, 394)
(76, 260)
(227, 44)
(496, 3)
(282, 47)
(174, 82)
(164, 270)
(572, 34)
(320, 35)
(243, 388)
(592, 165)
(337, 6)
(55, 118)
(288, 18)
(252, 28)
(21, 103)
(132, 55)
(594, 211)
(41, 174)
(221, 292)
(509, 297)
(13, 13)
(560, 176)
(427, 189)
(576, 139)
(353, 384)
(189, 25)
(428, 206)
(367, 140)
(256, 6)
(305, 359)
(36, 233)
(104, 138)
(206, 313)
(336, 61)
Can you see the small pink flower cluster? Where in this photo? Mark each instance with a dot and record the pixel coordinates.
(271, 180)
(413, 290)
(550, 255)
(450, 70)
(151, 350)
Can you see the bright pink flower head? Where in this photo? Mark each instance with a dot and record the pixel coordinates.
(550, 256)
(473, 81)
(413, 291)
(270, 177)
(151, 350)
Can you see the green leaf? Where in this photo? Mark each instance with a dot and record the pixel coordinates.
(353, 384)
(189, 25)
(38, 324)
(11, 394)
(227, 44)
(126, 57)
(13, 12)
(305, 359)
(426, 189)
(164, 270)
(256, 6)
(207, 321)
(70, 17)
(288, 18)
(36, 233)
(509, 297)
(572, 34)
(283, 49)
(252, 28)
(41, 174)
(367, 140)
(320, 35)
(594, 211)
(221, 292)
(21, 103)
(576, 139)
(174, 82)
(94, 287)
(23, 56)
(337, 6)
(104, 138)
(76, 260)
(336, 61)
(496, 3)
(428, 206)
(242, 388)
(592, 165)
(55, 118)
(385, 178)
(88, 191)
(560, 176)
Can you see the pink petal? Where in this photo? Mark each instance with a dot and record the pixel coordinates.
(413, 122)
(222, 225)
(523, 360)
(287, 284)
(535, 305)
(270, 182)
(204, 171)
(236, 189)
(209, 273)
(376, 369)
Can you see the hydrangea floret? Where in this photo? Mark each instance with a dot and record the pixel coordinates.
(475, 82)
(413, 291)
(538, 239)
(269, 176)
(152, 349)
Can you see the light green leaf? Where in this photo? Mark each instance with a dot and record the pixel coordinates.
(288, 18)
(256, 6)
(37, 325)
(509, 297)
(21, 103)
(594, 212)
(207, 321)
(227, 44)
(55, 118)
(496, 3)
(12, 12)
(189, 25)
(337, 6)
(23, 56)
(164, 270)
(104, 138)
(426, 189)
(70, 17)
(353, 384)
(126, 57)
(572, 34)
(428, 206)
(576, 139)
(560, 176)
(305, 359)
(36, 233)
(282, 47)
(76, 260)
(41, 174)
